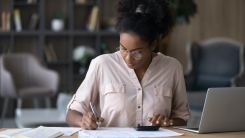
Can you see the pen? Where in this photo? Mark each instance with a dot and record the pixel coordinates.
(95, 114)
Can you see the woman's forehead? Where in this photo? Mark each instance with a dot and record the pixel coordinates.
(132, 41)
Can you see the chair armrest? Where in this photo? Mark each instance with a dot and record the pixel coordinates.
(47, 78)
(7, 86)
(238, 80)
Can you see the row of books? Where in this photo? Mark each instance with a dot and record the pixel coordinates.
(17, 20)
(6, 21)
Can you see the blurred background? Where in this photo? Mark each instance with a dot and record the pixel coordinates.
(46, 47)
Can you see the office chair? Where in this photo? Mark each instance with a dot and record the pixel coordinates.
(213, 63)
(21, 76)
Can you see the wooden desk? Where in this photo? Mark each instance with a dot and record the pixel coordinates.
(187, 134)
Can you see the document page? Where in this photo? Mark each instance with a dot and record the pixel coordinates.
(104, 133)
(160, 133)
(125, 132)
(68, 131)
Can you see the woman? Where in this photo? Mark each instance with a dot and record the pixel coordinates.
(133, 86)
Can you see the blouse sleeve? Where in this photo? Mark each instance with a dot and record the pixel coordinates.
(87, 91)
(180, 106)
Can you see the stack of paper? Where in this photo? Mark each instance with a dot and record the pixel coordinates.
(126, 133)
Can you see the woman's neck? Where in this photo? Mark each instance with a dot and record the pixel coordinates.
(147, 63)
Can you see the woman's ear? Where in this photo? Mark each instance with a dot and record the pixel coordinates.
(153, 45)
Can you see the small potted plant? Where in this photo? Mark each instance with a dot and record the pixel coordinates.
(58, 22)
(83, 55)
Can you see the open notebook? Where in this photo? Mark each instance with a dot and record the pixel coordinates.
(40, 132)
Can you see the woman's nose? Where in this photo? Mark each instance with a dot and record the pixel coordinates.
(128, 57)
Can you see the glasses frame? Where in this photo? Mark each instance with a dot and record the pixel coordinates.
(131, 52)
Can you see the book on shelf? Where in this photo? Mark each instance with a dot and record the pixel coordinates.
(40, 132)
(31, 1)
(93, 19)
(5, 21)
(33, 21)
(17, 20)
(81, 1)
(8, 21)
(50, 53)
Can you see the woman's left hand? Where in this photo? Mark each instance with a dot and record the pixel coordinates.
(160, 120)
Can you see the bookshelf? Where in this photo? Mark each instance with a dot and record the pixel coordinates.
(64, 42)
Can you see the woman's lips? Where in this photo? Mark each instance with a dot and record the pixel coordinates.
(130, 64)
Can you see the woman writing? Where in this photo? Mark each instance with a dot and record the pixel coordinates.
(133, 86)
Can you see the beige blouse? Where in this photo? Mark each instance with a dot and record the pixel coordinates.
(122, 100)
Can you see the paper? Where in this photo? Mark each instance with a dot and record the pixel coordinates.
(68, 131)
(126, 132)
(160, 133)
(104, 133)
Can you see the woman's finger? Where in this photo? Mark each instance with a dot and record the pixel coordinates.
(171, 122)
(92, 123)
(149, 119)
(159, 119)
(165, 122)
(91, 116)
(85, 124)
(153, 121)
(101, 119)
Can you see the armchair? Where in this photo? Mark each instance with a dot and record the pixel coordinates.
(22, 76)
(213, 63)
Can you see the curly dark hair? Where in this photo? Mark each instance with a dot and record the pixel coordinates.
(146, 18)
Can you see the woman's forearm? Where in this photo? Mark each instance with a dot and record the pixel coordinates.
(73, 118)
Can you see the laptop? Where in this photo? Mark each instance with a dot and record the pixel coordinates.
(223, 111)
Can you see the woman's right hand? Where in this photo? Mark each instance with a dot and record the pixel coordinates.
(89, 121)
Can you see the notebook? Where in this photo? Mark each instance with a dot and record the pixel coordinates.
(40, 132)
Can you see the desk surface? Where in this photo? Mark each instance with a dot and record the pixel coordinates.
(187, 134)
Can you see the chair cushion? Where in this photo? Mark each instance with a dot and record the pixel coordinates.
(34, 92)
(196, 100)
(203, 82)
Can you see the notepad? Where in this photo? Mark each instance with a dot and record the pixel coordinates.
(40, 132)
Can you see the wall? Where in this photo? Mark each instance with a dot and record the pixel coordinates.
(215, 18)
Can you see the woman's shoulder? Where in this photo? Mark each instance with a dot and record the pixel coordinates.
(107, 58)
(169, 61)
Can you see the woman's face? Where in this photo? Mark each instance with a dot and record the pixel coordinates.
(132, 42)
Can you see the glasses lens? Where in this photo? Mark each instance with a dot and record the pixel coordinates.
(136, 55)
(123, 52)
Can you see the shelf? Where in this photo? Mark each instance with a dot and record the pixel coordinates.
(59, 62)
(53, 33)
(107, 33)
(23, 3)
(5, 33)
(27, 33)
(65, 41)
(85, 4)
(84, 33)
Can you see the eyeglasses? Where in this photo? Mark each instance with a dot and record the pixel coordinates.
(134, 54)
